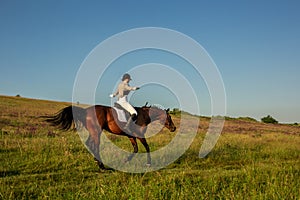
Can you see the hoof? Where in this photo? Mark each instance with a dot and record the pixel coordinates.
(101, 167)
(148, 165)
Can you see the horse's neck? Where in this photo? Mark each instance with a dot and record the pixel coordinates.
(143, 115)
(154, 114)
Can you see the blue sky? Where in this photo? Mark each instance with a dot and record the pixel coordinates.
(255, 45)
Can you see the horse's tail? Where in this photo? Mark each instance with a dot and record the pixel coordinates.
(68, 118)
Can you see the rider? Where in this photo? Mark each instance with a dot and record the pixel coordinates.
(122, 93)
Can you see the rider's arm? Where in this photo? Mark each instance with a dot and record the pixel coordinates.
(127, 87)
(116, 93)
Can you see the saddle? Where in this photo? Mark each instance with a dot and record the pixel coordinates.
(122, 114)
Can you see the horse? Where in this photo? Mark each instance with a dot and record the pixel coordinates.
(97, 118)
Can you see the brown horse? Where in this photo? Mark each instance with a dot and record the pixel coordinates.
(98, 118)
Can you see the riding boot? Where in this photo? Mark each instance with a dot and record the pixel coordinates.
(130, 121)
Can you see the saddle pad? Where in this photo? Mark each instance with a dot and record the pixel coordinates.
(121, 114)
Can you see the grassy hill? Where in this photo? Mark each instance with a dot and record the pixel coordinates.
(251, 160)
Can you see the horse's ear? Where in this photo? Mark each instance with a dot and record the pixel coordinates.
(168, 110)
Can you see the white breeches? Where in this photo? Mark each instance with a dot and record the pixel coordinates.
(124, 103)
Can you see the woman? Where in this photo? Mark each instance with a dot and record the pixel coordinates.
(122, 92)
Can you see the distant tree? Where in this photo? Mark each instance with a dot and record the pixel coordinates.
(269, 120)
(18, 95)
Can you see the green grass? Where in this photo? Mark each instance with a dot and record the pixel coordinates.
(39, 162)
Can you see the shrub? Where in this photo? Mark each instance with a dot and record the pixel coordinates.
(269, 119)
(175, 111)
(250, 119)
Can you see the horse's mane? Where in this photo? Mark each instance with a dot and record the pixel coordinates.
(157, 106)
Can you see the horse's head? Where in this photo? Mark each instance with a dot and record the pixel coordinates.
(163, 117)
(169, 123)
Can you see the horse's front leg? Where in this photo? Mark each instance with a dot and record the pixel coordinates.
(144, 142)
(135, 148)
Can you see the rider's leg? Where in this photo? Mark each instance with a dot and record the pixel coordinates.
(133, 115)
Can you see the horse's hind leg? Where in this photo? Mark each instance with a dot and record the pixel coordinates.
(144, 142)
(94, 148)
(135, 148)
(93, 141)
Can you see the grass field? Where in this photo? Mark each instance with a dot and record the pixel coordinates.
(250, 161)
